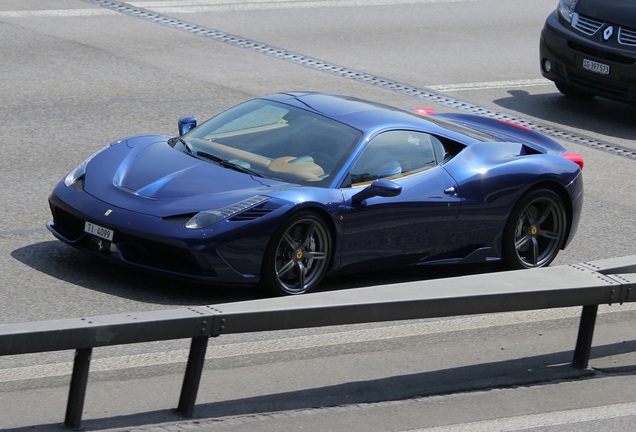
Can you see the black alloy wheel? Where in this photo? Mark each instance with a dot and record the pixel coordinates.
(535, 230)
(298, 256)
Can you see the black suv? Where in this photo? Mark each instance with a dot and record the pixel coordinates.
(588, 48)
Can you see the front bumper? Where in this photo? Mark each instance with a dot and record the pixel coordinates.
(566, 49)
(147, 242)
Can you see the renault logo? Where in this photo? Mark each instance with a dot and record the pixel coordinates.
(608, 32)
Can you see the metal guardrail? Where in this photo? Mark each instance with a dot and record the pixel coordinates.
(587, 284)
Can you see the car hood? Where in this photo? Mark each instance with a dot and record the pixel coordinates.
(147, 175)
(617, 11)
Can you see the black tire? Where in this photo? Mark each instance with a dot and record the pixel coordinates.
(535, 230)
(571, 91)
(298, 256)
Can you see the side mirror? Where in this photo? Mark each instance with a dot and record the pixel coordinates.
(382, 188)
(186, 124)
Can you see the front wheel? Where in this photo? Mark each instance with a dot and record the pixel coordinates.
(535, 230)
(298, 256)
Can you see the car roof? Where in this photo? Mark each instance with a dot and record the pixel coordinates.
(363, 115)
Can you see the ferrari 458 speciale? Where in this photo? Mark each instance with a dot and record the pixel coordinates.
(282, 189)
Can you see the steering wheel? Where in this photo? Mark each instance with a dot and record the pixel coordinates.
(325, 161)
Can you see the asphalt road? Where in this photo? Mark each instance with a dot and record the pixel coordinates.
(76, 75)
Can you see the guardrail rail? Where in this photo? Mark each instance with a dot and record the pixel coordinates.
(587, 284)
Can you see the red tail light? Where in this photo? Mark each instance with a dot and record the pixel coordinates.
(574, 157)
(424, 111)
(517, 125)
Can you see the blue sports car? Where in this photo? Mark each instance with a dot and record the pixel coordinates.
(282, 189)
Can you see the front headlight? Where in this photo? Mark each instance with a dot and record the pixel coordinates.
(566, 9)
(210, 217)
(79, 171)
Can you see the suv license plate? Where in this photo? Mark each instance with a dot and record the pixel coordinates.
(99, 231)
(596, 67)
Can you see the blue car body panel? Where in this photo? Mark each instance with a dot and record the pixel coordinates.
(145, 191)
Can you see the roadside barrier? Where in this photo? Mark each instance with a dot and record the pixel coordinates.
(589, 285)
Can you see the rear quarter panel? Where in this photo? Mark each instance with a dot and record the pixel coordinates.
(493, 177)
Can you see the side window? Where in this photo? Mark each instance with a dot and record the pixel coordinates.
(396, 153)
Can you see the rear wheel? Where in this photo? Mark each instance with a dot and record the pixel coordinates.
(297, 256)
(535, 230)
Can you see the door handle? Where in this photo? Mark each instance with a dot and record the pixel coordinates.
(452, 191)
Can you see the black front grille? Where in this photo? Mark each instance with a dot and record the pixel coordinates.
(558, 69)
(66, 224)
(587, 25)
(161, 256)
(627, 37)
(133, 249)
(590, 26)
(601, 54)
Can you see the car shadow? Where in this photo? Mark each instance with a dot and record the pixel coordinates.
(595, 115)
(407, 274)
(65, 263)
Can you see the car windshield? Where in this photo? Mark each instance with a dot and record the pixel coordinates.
(276, 141)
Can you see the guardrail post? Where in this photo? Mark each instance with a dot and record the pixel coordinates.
(584, 340)
(192, 376)
(77, 391)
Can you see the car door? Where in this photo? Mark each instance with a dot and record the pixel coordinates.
(414, 225)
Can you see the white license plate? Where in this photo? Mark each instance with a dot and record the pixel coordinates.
(596, 67)
(99, 231)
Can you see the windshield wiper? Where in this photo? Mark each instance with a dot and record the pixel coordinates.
(187, 145)
(227, 164)
(174, 140)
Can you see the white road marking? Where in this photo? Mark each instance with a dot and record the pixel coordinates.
(305, 342)
(57, 13)
(197, 6)
(490, 85)
(280, 3)
(544, 420)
